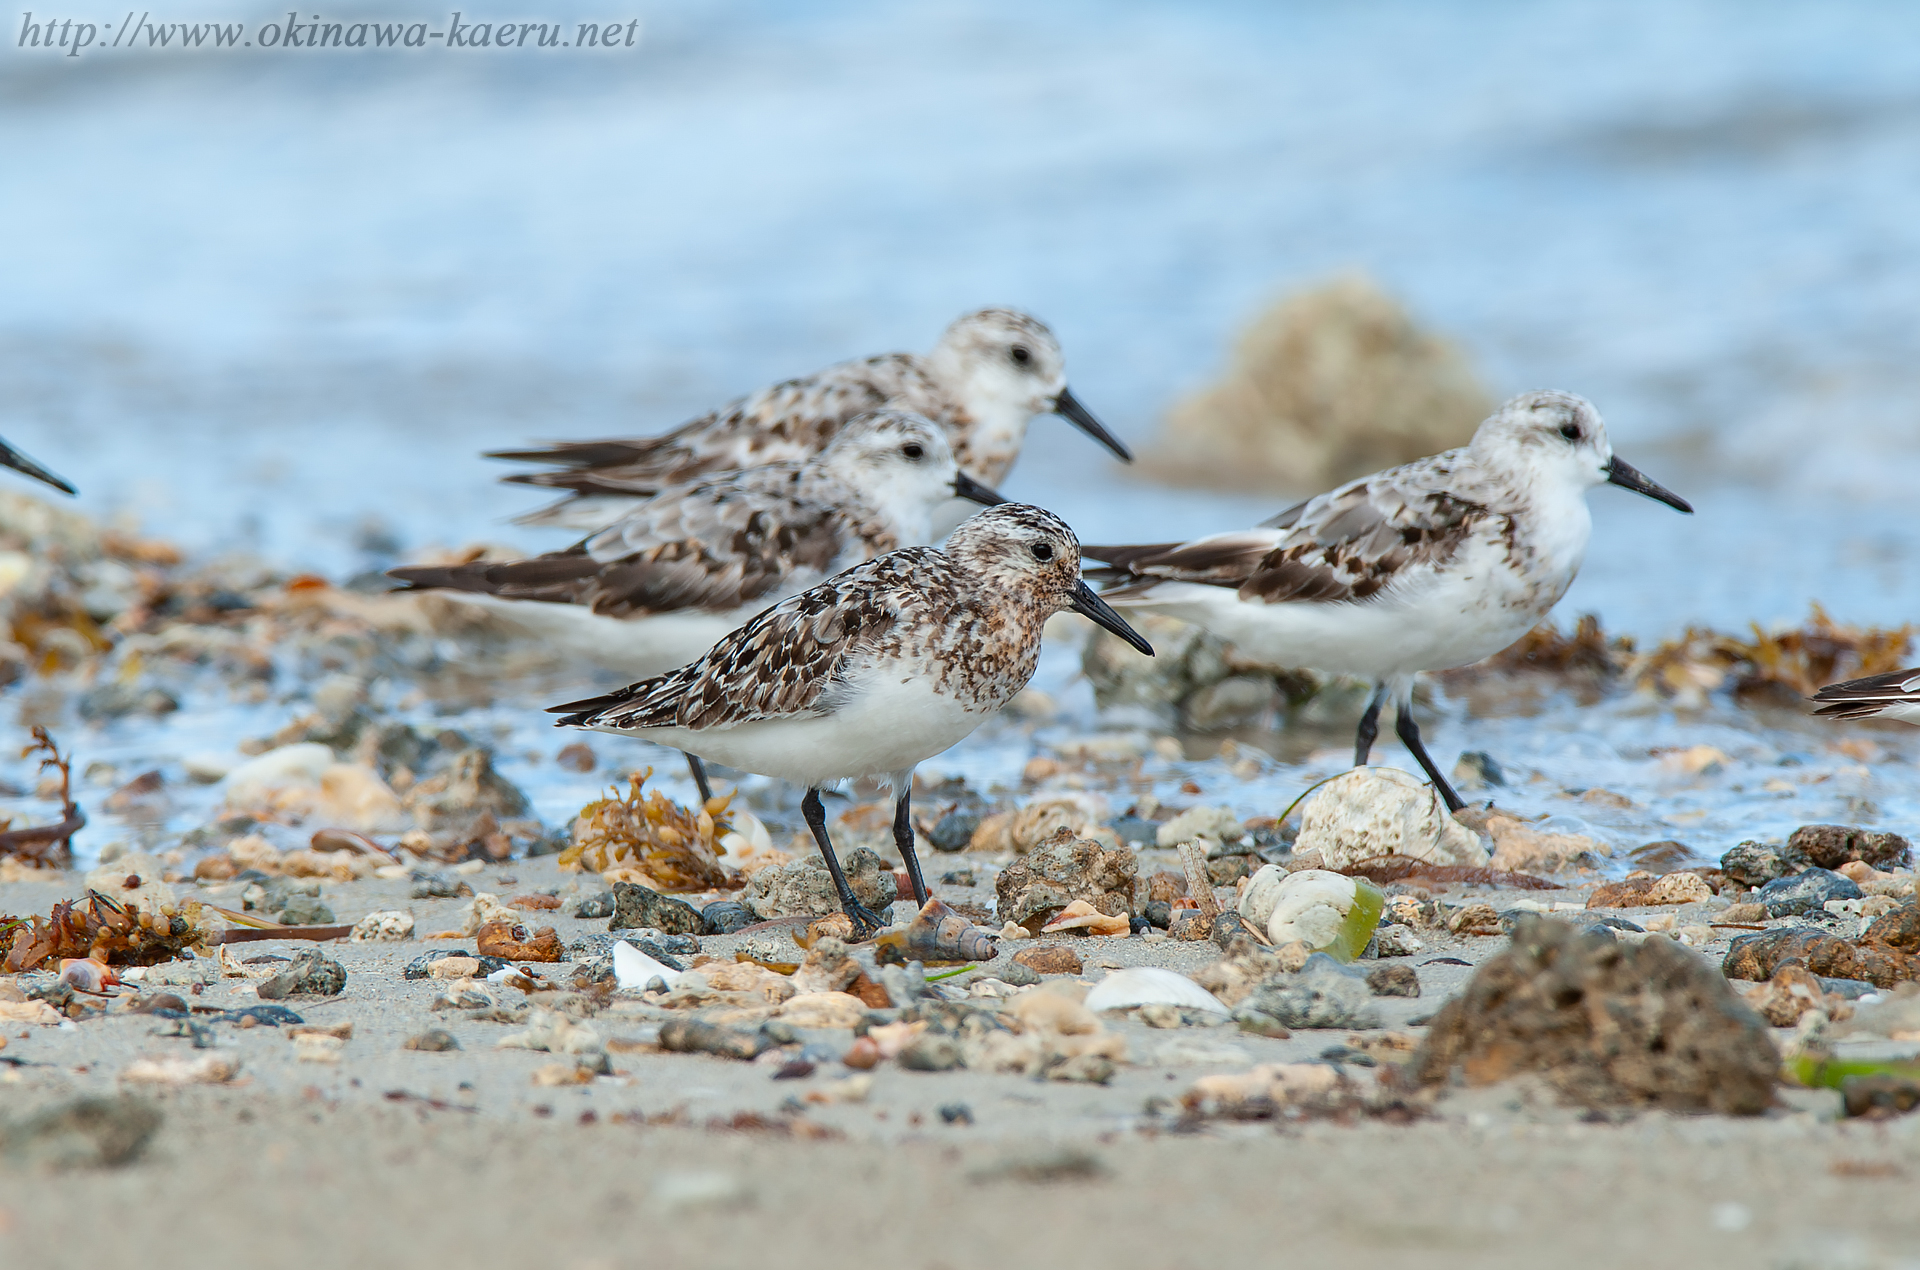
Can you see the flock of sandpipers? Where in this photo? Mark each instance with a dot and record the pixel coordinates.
(766, 569)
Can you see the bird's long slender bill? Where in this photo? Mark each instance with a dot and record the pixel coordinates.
(1089, 605)
(21, 463)
(973, 491)
(1627, 476)
(1068, 407)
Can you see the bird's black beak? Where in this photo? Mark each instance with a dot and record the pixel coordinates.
(966, 487)
(21, 463)
(1068, 407)
(1626, 476)
(1089, 605)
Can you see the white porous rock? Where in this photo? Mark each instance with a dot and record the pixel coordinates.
(1397, 941)
(1146, 985)
(391, 925)
(1217, 823)
(1380, 811)
(1310, 905)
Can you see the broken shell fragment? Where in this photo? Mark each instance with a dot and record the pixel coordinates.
(87, 974)
(634, 970)
(1150, 985)
(1084, 917)
(935, 934)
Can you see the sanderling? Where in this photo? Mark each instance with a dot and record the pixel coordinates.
(991, 373)
(1433, 564)
(1894, 695)
(21, 463)
(659, 586)
(873, 671)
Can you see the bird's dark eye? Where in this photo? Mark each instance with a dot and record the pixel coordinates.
(914, 450)
(1571, 431)
(1043, 551)
(1022, 354)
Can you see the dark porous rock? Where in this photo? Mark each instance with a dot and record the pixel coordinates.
(1608, 1024)
(953, 831)
(1159, 913)
(1393, 979)
(1879, 1097)
(259, 1016)
(591, 946)
(1830, 846)
(439, 886)
(83, 1133)
(310, 974)
(1897, 929)
(306, 910)
(931, 1052)
(636, 905)
(1753, 864)
(1227, 927)
(1805, 892)
(1322, 994)
(432, 1041)
(1229, 869)
(1018, 974)
(1826, 955)
(724, 917)
(417, 968)
(592, 907)
(1049, 959)
(1033, 889)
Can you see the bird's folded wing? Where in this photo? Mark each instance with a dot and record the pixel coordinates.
(780, 664)
(1861, 698)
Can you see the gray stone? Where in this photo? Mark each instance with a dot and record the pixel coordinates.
(1018, 975)
(592, 907)
(1135, 829)
(1478, 769)
(724, 917)
(306, 910)
(433, 1041)
(311, 974)
(1851, 989)
(636, 905)
(439, 886)
(954, 831)
(1753, 864)
(1393, 979)
(904, 984)
(417, 968)
(1324, 994)
(1159, 913)
(1805, 892)
(931, 1052)
(1227, 927)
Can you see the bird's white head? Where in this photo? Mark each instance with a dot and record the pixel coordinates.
(1007, 367)
(1032, 554)
(1550, 440)
(901, 464)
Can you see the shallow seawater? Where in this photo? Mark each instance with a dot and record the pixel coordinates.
(279, 306)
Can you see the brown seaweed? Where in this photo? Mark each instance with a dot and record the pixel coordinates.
(677, 849)
(48, 843)
(103, 929)
(1401, 868)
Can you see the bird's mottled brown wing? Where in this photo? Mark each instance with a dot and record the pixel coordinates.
(1348, 544)
(785, 662)
(785, 421)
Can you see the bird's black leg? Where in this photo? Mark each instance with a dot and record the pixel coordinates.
(699, 771)
(865, 921)
(1369, 726)
(1409, 733)
(903, 839)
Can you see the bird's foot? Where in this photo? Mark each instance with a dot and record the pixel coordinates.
(866, 923)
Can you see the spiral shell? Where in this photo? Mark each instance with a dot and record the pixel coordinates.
(936, 933)
(87, 974)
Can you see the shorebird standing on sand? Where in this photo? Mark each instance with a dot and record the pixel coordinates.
(872, 672)
(21, 463)
(659, 586)
(1430, 565)
(989, 375)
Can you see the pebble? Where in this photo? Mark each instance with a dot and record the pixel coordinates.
(440, 886)
(1396, 940)
(1753, 864)
(1019, 974)
(956, 1113)
(1805, 892)
(1049, 959)
(1830, 846)
(306, 910)
(593, 907)
(953, 831)
(1134, 829)
(1393, 980)
(432, 1041)
(1159, 914)
(1324, 994)
(635, 905)
(931, 1052)
(311, 974)
(384, 926)
(723, 917)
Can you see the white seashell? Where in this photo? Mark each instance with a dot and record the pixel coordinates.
(1145, 985)
(1263, 891)
(1375, 811)
(1310, 905)
(634, 969)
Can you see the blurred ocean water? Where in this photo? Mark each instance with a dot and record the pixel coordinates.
(279, 301)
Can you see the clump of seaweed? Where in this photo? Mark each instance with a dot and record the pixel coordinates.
(47, 844)
(106, 930)
(1585, 650)
(652, 840)
(1773, 667)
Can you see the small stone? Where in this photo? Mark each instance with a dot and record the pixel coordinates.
(305, 910)
(1134, 829)
(903, 985)
(724, 917)
(1159, 914)
(931, 1052)
(1049, 959)
(1476, 919)
(1521, 848)
(383, 926)
(511, 941)
(1830, 846)
(953, 831)
(692, 1036)
(432, 1041)
(636, 905)
(1806, 892)
(1018, 974)
(421, 967)
(593, 907)
(1323, 994)
(1395, 979)
(1033, 890)
(1396, 940)
(1229, 869)
(1227, 927)
(1257, 1023)
(1216, 823)
(956, 1113)
(437, 886)
(1477, 769)
(311, 974)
